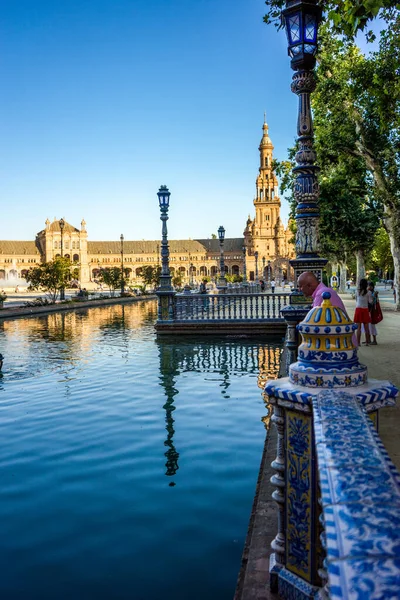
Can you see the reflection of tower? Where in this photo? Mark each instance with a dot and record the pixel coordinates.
(168, 372)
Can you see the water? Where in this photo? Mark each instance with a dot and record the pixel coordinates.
(127, 466)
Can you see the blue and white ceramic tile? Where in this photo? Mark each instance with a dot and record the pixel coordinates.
(340, 453)
(350, 484)
(369, 579)
(292, 587)
(354, 531)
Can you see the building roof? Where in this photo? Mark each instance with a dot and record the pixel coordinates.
(18, 247)
(152, 246)
(55, 227)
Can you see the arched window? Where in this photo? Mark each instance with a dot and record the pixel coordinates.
(76, 258)
(235, 270)
(266, 161)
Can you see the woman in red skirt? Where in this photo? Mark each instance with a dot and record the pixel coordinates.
(362, 315)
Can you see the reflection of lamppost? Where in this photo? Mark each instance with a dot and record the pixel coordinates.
(165, 277)
(256, 259)
(122, 264)
(301, 20)
(62, 225)
(244, 265)
(221, 236)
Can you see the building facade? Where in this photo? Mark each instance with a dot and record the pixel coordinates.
(266, 242)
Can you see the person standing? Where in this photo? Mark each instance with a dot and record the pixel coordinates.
(362, 315)
(273, 286)
(375, 312)
(262, 285)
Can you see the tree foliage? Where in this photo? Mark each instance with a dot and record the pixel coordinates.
(151, 275)
(111, 277)
(50, 277)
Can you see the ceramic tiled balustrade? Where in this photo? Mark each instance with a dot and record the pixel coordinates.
(360, 496)
(323, 413)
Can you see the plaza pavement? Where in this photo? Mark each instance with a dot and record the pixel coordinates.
(383, 362)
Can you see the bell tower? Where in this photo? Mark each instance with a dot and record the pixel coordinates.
(267, 202)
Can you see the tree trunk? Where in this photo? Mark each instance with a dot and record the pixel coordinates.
(343, 276)
(395, 250)
(359, 254)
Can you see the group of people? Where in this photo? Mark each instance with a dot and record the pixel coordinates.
(367, 314)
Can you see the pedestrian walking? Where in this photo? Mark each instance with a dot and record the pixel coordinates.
(362, 315)
(262, 285)
(273, 286)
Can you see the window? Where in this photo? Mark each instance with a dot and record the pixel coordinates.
(266, 161)
(267, 217)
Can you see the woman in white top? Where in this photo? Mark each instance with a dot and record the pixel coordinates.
(362, 315)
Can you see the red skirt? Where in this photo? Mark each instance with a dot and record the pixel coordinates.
(362, 316)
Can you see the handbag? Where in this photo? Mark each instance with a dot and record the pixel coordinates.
(376, 313)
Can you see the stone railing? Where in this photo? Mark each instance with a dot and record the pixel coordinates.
(229, 306)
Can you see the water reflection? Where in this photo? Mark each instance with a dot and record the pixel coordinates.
(100, 423)
(221, 357)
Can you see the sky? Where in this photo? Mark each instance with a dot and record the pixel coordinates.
(103, 101)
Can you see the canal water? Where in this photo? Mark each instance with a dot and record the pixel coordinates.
(127, 465)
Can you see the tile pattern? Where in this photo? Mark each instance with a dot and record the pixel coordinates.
(299, 478)
(360, 493)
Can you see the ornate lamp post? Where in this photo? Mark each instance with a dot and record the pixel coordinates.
(256, 258)
(163, 200)
(269, 272)
(165, 292)
(244, 265)
(122, 264)
(263, 264)
(62, 225)
(191, 274)
(221, 237)
(301, 20)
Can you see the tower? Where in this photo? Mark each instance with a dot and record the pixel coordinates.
(267, 202)
(266, 233)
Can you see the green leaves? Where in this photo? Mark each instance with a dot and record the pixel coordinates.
(50, 277)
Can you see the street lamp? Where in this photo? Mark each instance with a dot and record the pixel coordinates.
(244, 265)
(165, 277)
(301, 19)
(256, 259)
(269, 272)
(191, 274)
(221, 236)
(122, 265)
(62, 225)
(263, 263)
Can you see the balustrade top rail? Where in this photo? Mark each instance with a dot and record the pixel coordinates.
(230, 307)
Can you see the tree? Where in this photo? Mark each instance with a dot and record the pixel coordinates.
(50, 277)
(381, 258)
(356, 110)
(177, 281)
(151, 276)
(111, 277)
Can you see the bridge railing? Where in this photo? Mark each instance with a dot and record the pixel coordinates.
(229, 307)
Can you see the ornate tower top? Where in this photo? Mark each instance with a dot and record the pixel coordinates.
(265, 140)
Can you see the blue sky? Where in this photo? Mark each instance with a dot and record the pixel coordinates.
(105, 100)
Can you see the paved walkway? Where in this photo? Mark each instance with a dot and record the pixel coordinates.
(383, 362)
